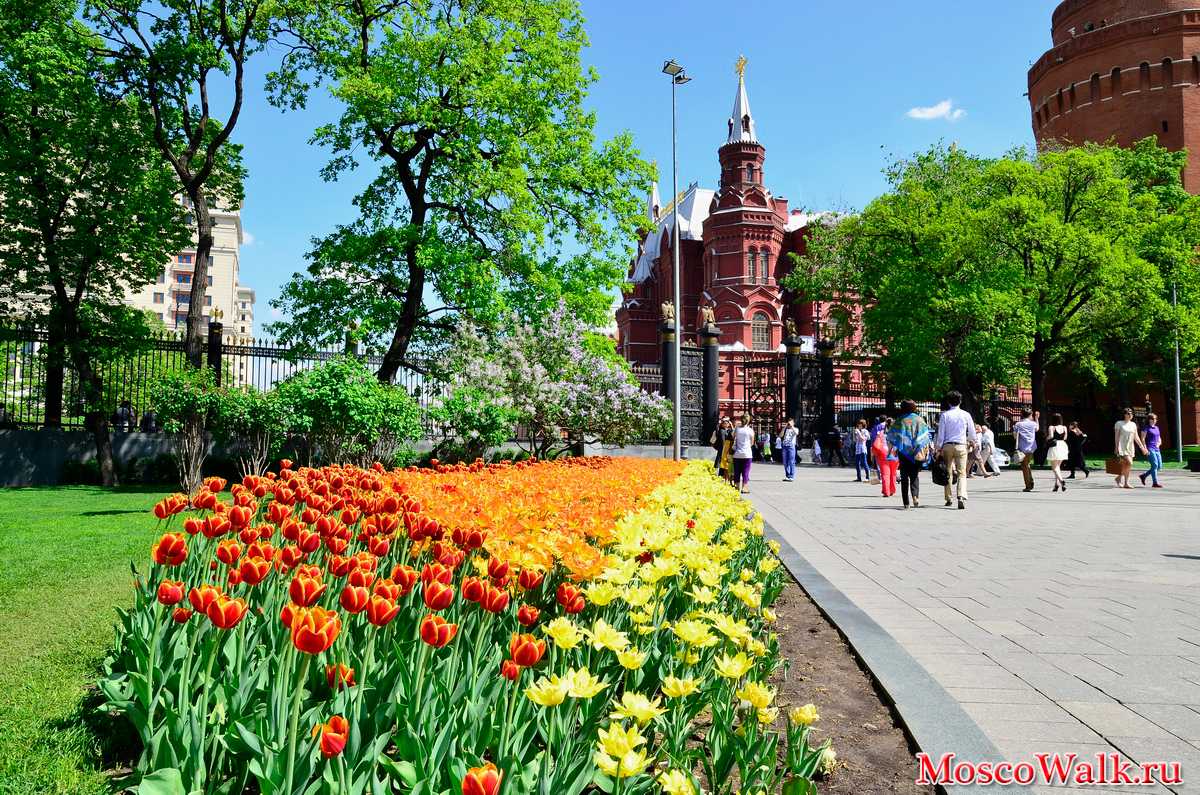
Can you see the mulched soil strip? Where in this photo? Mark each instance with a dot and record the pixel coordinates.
(874, 755)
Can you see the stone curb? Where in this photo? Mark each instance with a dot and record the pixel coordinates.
(931, 718)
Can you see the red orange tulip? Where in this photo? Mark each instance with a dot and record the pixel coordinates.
(526, 650)
(305, 591)
(225, 612)
(314, 629)
(170, 550)
(482, 780)
(381, 610)
(436, 631)
(339, 676)
(203, 596)
(438, 596)
(354, 598)
(495, 600)
(170, 592)
(510, 670)
(527, 615)
(333, 736)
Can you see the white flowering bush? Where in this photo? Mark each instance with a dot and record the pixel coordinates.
(543, 379)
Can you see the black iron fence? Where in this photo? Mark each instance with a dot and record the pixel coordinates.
(34, 392)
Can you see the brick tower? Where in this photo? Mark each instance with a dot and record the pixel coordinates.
(1123, 70)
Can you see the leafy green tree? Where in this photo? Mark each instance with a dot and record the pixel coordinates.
(1010, 267)
(491, 192)
(178, 57)
(472, 421)
(187, 402)
(254, 426)
(346, 415)
(86, 212)
(938, 310)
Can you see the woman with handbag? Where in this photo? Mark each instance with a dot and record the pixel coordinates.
(909, 439)
(1125, 438)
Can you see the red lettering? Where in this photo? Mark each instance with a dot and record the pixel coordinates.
(928, 774)
(1055, 767)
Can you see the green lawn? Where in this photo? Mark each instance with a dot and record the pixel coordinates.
(64, 567)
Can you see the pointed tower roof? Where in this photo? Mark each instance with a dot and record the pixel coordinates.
(655, 203)
(741, 122)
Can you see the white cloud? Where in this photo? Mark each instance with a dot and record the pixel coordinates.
(942, 110)
(247, 238)
(276, 314)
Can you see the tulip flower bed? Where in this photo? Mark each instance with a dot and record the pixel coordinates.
(586, 625)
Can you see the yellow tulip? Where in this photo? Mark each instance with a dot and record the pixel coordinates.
(674, 687)
(548, 691)
(733, 667)
(637, 707)
(804, 716)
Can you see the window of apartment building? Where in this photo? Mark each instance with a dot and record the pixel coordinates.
(161, 317)
(162, 277)
(183, 278)
(183, 298)
(185, 259)
(208, 300)
(210, 280)
(158, 298)
(210, 260)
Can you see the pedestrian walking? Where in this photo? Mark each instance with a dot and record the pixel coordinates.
(1151, 443)
(877, 428)
(909, 439)
(861, 439)
(1076, 439)
(764, 445)
(954, 440)
(743, 452)
(987, 441)
(787, 442)
(1026, 431)
(886, 461)
(1125, 438)
(975, 461)
(833, 446)
(1056, 449)
(721, 439)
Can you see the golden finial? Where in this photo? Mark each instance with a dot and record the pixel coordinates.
(739, 66)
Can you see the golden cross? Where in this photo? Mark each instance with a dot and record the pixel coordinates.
(739, 66)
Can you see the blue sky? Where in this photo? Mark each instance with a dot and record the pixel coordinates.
(831, 86)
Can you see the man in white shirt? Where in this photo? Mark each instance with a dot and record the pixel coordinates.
(1026, 432)
(955, 438)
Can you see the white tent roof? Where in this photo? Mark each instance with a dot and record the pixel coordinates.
(693, 210)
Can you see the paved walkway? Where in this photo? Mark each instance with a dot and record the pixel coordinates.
(1060, 622)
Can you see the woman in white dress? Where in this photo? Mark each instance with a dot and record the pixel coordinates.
(1125, 437)
(1057, 452)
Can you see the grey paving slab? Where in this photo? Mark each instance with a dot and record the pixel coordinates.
(1052, 620)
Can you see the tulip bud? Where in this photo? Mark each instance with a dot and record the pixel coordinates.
(180, 615)
(494, 600)
(438, 596)
(526, 650)
(473, 589)
(436, 631)
(354, 598)
(170, 550)
(339, 676)
(510, 670)
(333, 736)
(482, 780)
(529, 579)
(170, 592)
(381, 610)
(527, 615)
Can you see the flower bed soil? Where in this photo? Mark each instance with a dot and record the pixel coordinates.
(874, 755)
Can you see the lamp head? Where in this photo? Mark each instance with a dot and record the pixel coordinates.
(671, 68)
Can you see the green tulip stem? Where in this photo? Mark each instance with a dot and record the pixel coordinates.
(214, 645)
(419, 690)
(367, 660)
(155, 639)
(293, 726)
(508, 719)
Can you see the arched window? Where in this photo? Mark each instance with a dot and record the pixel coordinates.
(1116, 82)
(1144, 76)
(1196, 69)
(760, 332)
(1060, 102)
(1168, 73)
(1071, 94)
(750, 260)
(764, 260)
(749, 173)
(1095, 88)
(746, 123)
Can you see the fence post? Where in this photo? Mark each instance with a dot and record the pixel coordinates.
(667, 337)
(710, 337)
(55, 369)
(215, 330)
(825, 348)
(793, 347)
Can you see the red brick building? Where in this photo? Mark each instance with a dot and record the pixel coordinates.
(734, 247)
(1123, 70)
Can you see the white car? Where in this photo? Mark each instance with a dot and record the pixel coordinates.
(1000, 458)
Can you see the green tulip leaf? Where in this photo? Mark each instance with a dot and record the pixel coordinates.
(167, 781)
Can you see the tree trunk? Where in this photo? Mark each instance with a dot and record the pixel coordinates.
(56, 360)
(1037, 374)
(204, 243)
(407, 324)
(968, 386)
(97, 422)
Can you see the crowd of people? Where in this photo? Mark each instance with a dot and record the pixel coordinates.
(955, 448)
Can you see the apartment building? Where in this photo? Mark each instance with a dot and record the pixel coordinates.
(170, 295)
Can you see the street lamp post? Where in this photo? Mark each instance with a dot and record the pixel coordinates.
(1178, 397)
(678, 78)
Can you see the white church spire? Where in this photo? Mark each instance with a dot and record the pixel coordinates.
(741, 122)
(654, 204)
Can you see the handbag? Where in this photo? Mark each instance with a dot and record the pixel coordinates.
(921, 454)
(1114, 466)
(938, 472)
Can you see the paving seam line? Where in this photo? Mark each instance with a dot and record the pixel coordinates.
(932, 719)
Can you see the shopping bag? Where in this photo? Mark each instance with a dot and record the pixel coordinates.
(937, 471)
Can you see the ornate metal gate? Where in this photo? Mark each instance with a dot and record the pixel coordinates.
(691, 390)
(762, 383)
